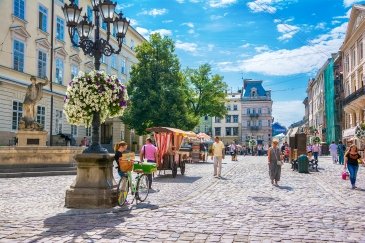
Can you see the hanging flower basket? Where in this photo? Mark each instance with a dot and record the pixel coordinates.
(316, 139)
(252, 142)
(94, 92)
(360, 131)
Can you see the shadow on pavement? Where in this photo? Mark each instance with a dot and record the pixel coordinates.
(288, 188)
(78, 222)
(178, 179)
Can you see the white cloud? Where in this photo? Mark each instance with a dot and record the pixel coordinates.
(269, 6)
(162, 32)
(211, 47)
(245, 45)
(348, 3)
(288, 112)
(304, 59)
(134, 22)
(260, 49)
(143, 31)
(180, 1)
(189, 24)
(187, 46)
(221, 3)
(155, 12)
(167, 21)
(191, 31)
(287, 31)
(320, 26)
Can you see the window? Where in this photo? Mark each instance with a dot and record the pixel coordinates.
(42, 18)
(88, 131)
(235, 118)
(89, 14)
(17, 114)
(248, 123)
(228, 107)
(18, 55)
(74, 130)
(228, 119)
(74, 71)
(360, 50)
(217, 131)
(217, 120)
(59, 121)
(75, 39)
(268, 111)
(347, 63)
(59, 70)
(259, 110)
(42, 64)
(114, 61)
(235, 131)
(206, 118)
(132, 44)
(269, 123)
(253, 111)
(41, 115)
(353, 58)
(19, 9)
(60, 29)
(235, 107)
(228, 131)
(248, 111)
(260, 123)
(123, 68)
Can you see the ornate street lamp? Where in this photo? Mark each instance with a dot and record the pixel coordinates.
(98, 46)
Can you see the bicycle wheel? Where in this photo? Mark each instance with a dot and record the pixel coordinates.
(142, 188)
(122, 192)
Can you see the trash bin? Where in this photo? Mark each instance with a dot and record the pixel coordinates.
(303, 164)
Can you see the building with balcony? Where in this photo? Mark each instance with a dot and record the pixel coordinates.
(35, 41)
(353, 61)
(256, 113)
(228, 128)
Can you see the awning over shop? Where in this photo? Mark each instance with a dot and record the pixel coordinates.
(349, 133)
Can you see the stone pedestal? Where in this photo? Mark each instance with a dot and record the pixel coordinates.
(31, 138)
(94, 186)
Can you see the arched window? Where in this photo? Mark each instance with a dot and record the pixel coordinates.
(253, 92)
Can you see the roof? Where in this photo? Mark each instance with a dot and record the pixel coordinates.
(248, 85)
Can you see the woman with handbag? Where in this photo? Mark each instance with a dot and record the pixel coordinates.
(352, 158)
(275, 162)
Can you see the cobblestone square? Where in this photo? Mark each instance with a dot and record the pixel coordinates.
(243, 206)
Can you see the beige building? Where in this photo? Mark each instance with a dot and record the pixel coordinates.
(353, 72)
(229, 127)
(27, 48)
(256, 113)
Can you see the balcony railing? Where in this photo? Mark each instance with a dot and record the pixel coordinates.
(354, 96)
(254, 114)
(255, 128)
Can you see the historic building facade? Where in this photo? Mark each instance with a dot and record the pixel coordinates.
(256, 113)
(228, 128)
(35, 41)
(353, 72)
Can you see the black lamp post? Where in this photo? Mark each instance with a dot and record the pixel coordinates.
(98, 46)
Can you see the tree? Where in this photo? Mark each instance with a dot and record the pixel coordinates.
(206, 92)
(156, 89)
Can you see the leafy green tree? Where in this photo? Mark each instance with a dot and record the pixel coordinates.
(206, 92)
(157, 90)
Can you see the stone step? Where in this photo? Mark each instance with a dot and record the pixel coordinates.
(35, 173)
(36, 169)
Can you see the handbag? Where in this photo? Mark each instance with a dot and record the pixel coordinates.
(345, 175)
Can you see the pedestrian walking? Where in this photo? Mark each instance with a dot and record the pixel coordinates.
(352, 158)
(315, 150)
(218, 155)
(149, 152)
(274, 160)
(233, 151)
(341, 148)
(333, 151)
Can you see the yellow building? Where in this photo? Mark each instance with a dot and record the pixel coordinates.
(353, 73)
(35, 41)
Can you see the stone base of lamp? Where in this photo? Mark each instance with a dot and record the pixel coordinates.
(94, 186)
(31, 138)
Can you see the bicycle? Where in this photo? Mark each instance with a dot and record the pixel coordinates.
(139, 186)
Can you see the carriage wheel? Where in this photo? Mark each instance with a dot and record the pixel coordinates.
(182, 167)
(173, 169)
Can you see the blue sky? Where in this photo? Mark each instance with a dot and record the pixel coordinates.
(282, 42)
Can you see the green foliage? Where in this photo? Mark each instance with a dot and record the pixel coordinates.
(156, 89)
(206, 93)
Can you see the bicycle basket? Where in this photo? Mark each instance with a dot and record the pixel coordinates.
(126, 162)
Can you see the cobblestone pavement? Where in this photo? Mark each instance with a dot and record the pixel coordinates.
(240, 207)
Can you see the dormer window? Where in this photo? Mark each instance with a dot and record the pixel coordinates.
(253, 92)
